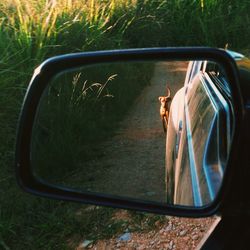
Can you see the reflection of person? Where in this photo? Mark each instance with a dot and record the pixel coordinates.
(164, 110)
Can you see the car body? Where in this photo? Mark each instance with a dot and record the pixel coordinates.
(199, 134)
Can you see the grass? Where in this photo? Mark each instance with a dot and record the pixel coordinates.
(31, 31)
(89, 102)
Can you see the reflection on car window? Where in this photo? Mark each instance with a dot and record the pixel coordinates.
(196, 67)
(204, 119)
(200, 115)
(199, 138)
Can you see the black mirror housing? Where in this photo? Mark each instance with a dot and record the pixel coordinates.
(29, 182)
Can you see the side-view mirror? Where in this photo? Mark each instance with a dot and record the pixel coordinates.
(149, 129)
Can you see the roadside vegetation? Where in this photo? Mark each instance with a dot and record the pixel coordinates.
(31, 31)
(79, 109)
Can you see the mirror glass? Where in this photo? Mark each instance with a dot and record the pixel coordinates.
(155, 131)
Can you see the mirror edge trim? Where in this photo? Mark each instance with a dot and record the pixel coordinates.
(56, 64)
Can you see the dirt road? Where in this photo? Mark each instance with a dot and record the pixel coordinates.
(133, 161)
(133, 165)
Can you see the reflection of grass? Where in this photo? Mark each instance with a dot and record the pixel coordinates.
(69, 115)
(81, 109)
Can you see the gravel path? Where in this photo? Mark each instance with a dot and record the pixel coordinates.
(177, 233)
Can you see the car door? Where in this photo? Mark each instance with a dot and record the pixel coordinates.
(200, 152)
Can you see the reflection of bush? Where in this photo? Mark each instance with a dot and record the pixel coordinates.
(80, 109)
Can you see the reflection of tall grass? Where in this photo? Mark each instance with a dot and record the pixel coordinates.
(81, 109)
(69, 118)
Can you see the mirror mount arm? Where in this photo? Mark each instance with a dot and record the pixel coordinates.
(228, 232)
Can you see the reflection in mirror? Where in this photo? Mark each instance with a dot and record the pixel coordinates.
(155, 131)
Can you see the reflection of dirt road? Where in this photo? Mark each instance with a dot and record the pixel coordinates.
(133, 161)
(133, 165)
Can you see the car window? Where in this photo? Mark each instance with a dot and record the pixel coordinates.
(205, 118)
(194, 68)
